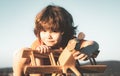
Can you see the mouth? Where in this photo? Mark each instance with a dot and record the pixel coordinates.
(50, 41)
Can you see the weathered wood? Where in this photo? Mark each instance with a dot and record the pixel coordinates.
(42, 69)
(58, 69)
(92, 68)
(27, 53)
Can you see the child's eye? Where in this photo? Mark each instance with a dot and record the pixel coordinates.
(55, 31)
(43, 30)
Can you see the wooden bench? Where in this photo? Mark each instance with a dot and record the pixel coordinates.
(66, 64)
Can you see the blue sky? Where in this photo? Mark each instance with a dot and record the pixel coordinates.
(98, 19)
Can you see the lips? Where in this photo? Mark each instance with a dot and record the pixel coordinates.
(50, 41)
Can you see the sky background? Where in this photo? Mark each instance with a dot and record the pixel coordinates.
(98, 19)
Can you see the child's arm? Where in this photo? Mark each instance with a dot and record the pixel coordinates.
(88, 47)
(18, 64)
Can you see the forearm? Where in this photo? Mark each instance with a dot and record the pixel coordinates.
(18, 63)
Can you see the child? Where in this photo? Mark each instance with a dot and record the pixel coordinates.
(54, 27)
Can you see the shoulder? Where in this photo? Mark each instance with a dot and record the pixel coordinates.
(35, 44)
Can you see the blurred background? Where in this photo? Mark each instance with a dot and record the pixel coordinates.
(98, 19)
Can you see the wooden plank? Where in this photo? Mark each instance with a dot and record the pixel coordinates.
(92, 68)
(58, 69)
(27, 53)
(56, 52)
(44, 69)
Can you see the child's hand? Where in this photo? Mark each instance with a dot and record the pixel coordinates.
(43, 49)
(81, 56)
(85, 44)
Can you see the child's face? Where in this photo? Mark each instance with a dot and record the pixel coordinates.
(50, 38)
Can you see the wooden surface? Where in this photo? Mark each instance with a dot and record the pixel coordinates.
(42, 69)
(58, 69)
(92, 68)
(27, 53)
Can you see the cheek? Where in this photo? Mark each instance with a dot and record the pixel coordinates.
(42, 36)
(58, 37)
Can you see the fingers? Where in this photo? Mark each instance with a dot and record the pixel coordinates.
(43, 49)
(80, 56)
